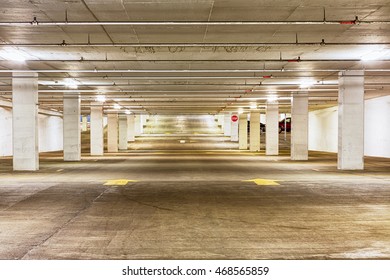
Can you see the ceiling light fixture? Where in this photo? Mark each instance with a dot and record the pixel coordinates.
(374, 55)
(253, 106)
(101, 98)
(306, 83)
(272, 98)
(13, 55)
(127, 112)
(71, 83)
(117, 106)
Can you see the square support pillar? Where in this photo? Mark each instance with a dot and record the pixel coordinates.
(72, 130)
(131, 128)
(227, 129)
(122, 133)
(234, 130)
(138, 125)
(84, 123)
(299, 126)
(254, 136)
(272, 129)
(112, 133)
(243, 132)
(97, 136)
(25, 121)
(351, 120)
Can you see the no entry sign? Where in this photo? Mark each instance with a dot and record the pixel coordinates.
(234, 118)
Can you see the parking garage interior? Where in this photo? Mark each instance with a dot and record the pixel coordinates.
(132, 129)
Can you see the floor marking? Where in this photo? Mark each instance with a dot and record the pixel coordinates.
(59, 170)
(118, 182)
(263, 182)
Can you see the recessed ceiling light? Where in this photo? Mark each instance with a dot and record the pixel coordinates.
(272, 98)
(127, 112)
(117, 106)
(253, 106)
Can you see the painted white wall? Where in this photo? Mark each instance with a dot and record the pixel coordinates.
(377, 127)
(5, 131)
(50, 132)
(323, 130)
(323, 125)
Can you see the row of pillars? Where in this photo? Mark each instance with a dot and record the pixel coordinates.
(299, 138)
(350, 124)
(25, 125)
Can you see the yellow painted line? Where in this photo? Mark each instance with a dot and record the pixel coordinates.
(118, 182)
(263, 182)
(168, 133)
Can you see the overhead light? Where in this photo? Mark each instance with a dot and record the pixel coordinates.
(253, 106)
(307, 83)
(101, 98)
(13, 55)
(117, 106)
(71, 83)
(374, 55)
(240, 110)
(127, 112)
(272, 98)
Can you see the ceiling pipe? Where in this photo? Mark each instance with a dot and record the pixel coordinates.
(182, 71)
(82, 60)
(36, 23)
(196, 45)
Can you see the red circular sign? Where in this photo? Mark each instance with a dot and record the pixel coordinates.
(234, 118)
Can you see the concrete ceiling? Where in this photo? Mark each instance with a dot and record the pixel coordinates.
(194, 68)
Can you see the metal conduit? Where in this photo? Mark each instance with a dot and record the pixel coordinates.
(197, 45)
(35, 22)
(183, 71)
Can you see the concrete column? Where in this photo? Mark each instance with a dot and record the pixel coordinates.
(234, 130)
(272, 129)
(243, 132)
(254, 135)
(227, 125)
(299, 126)
(138, 125)
(131, 128)
(122, 133)
(112, 133)
(351, 120)
(25, 121)
(97, 140)
(72, 130)
(84, 121)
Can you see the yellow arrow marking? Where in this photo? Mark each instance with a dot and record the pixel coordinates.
(263, 182)
(119, 182)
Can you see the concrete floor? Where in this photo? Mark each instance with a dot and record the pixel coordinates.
(195, 205)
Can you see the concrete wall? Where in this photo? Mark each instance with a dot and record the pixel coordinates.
(323, 128)
(5, 131)
(50, 132)
(377, 127)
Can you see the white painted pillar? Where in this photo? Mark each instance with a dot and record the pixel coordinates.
(112, 133)
(243, 132)
(254, 135)
(131, 128)
(227, 125)
(71, 128)
(97, 140)
(351, 120)
(122, 133)
(25, 121)
(299, 126)
(234, 130)
(272, 129)
(84, 122)
(138, 125)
